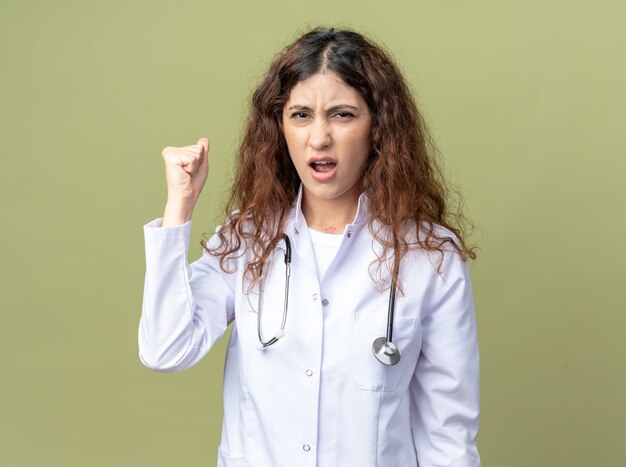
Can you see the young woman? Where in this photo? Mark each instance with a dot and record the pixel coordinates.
(354, 339)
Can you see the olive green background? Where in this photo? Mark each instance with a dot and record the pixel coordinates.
(525, 99)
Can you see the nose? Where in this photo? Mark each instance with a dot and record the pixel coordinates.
(319, 136)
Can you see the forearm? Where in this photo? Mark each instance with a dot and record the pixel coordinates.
(177, 213)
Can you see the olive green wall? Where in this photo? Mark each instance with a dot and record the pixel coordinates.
(526, 100)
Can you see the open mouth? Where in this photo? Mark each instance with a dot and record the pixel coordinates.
(323, 166)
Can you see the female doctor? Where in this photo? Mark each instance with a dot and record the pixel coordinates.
(354, 339)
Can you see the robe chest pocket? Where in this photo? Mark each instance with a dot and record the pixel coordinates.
(368, 373)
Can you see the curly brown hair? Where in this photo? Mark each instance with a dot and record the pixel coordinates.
(402, 170)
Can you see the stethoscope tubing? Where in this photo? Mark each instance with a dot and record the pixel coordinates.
(274, 339)
(383, 348)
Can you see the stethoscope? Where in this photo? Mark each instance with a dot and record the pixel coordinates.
(383, 348)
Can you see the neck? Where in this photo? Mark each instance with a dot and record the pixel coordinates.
(330, 216)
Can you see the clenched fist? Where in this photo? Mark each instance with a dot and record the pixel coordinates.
(186, 170)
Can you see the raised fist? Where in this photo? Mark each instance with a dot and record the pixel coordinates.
(186, 170)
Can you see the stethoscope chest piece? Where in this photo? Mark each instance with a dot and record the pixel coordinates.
(385, 351)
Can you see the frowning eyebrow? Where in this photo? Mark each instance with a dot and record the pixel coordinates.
(329, 110)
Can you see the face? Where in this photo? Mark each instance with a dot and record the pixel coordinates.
(327, 128)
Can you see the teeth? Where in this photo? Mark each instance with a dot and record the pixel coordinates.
(323, 162)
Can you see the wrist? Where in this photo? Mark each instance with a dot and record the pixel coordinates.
(177, 213)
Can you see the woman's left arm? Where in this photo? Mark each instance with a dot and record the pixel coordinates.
(445, 385)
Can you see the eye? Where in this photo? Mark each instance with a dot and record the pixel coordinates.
(344, 115)
(299, 115)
